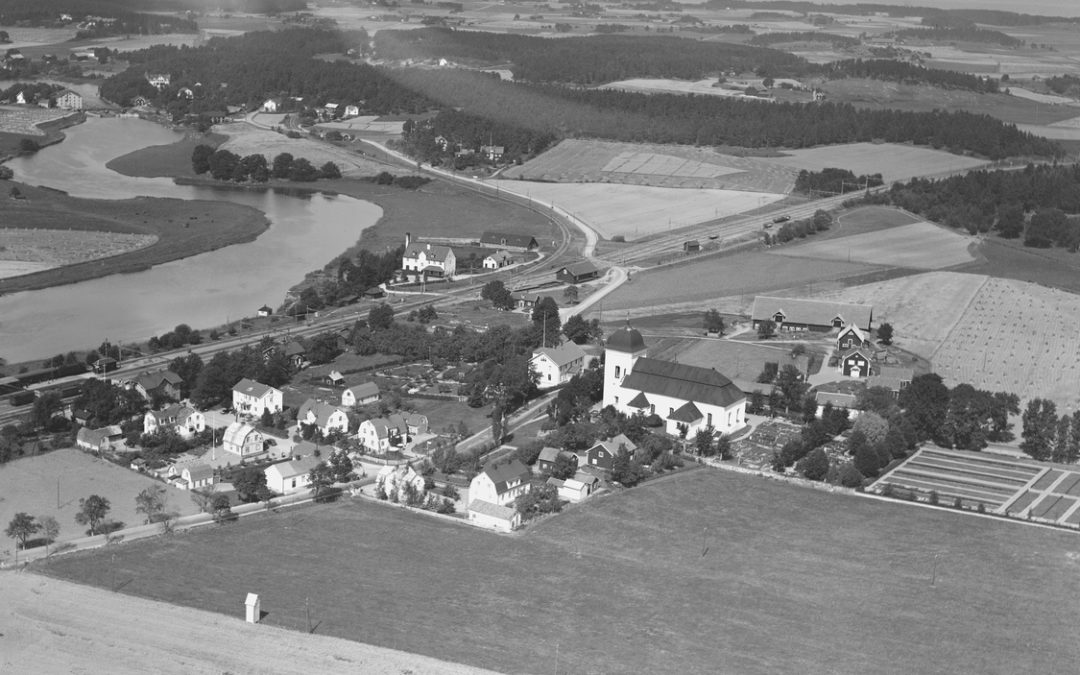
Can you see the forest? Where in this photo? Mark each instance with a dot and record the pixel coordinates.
(1066, 85)
(1034, 202)
(906, 73)
(463, 131)
(954, 34)
(838, 41)
(984, 16)
(248, 69)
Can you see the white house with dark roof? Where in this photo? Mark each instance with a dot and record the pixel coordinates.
(252, 398)
(184, 420)
(435, 259)
(797, 314)
(500, 483)
(291, 476)
(682, 395)
(197, 476)
(164, 383)
(323, 416)
(556, 365)
(242, 439)
(382, 434)
(498, 259)
(361, 394)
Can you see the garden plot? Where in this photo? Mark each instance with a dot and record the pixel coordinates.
(919, 245)
(587, 161)
(893, 161)
(634, 211)
(25, 120)
(1018, 337)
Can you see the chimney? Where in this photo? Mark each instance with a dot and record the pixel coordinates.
(408, 239)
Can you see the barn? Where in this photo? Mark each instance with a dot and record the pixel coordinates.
(797, 314)
(577, 272)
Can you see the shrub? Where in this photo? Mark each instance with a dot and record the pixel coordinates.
(933, 497)
(850, 476)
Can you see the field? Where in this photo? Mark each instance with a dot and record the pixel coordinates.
(740, 361)
(735, 278)
(163, 161)
(245, 139)
(893, 161)
(366, 126)
(700, 569)
(634, 211)
(1010, 259)
(182, 228)
(918, 245)
(1017, 337)
(707, 87)
(24, 120)
(588, 161)
(30, 485)
(52, 248)
(1058, 132)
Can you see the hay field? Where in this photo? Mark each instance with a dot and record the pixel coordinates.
(245, 139)
(30, 485)
(366, 124)
(638, 211)
(51, 248)
(17, 119)
(893, 161)
(706, 87)
(918, 245)
(740, 361)
(922, 308)
(683, 166)
(1019, 337)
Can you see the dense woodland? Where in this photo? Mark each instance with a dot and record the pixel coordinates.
(465, 131)
(248, 69)
(838, 41)
(954, 34)
(1066, 85)
(906, 73)
(1034, 202)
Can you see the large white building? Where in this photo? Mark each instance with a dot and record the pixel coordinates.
(436, 260)
(557, 365)
(681, 395)
(252, 398)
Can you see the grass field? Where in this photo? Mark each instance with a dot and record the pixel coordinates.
(704, 572)
(893, 161)
(1010, 259)
(635, 211)
(741, 361)
(918, 245)
(182, 227)
(163, 161)
(245, 139)
(24, 120)
(30, 485)
(706, 87)
(724, 277)
(590, 161)
(52, 248)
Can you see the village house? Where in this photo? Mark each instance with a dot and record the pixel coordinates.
(432, 259)
(296, 352)
(692, 246)
(98, 440)
(291, 476)
(795, 314)
(252, 398)
(69, 100)
(492, 493)
(184, 420)
(351, 110)
(557, 365)
(335, 379)
(323, 416)
(493, 153)
(159, 384)
(383, 434)
(856, 362)
(577, 273)
(838, 400)
(525, 300)
(851, 337)
(392, 480)
(191, 476)
(893, 378)
(602, 453)
(511, 242)
(685, 397)
(498, 260)
(493, 517)
(548, 456)
(242, 439)
(271, 105)
(265, 310)
(158, 80)
(361, 394)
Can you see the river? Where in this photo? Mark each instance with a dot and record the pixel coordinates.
(306, 232)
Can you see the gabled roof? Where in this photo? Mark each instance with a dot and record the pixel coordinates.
(322, 411)
(682, 382)
(198, 472)
(252, 388)
(296, 467)
(621, 439)
(430, 251)
(505, 472)
(364, 390)
(498, 256)
(580, 268)
(295, 348)
(507, 239)
(492, 510)
(812, 312)
(549, 454)
(567, 352)
(865, 352)
(838, 399)
(586, 478)
(92, 436)
(852, 328)
(175, 414)
(639, 401)
(688, 412)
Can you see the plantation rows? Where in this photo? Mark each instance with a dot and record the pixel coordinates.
(951, 475)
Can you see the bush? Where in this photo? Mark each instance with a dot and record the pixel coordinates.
(850, 476)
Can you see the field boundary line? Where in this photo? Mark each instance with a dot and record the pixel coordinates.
(957, 322)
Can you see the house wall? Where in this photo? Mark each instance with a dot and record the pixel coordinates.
(254, 405)
(492, 523)
(600, 458)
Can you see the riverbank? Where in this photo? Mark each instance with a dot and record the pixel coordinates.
(172, 160)
(183, 228)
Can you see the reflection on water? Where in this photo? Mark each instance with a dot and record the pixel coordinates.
(307, 231)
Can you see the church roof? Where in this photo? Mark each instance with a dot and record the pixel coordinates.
(682, 382)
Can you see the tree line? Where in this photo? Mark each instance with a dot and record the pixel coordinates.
(983, 16)
(959, 34)
(1033, 202)
(1048, 436)
(834, 181)
(907, 73)
(438, 139)
(838, 41)
(226, 165)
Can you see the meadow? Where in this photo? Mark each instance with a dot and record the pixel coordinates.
(740, 361)
(705, 571)
(917, 245)
(244, 139)
(25, 120)
(895, 162)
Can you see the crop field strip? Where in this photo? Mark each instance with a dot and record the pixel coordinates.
(918, 245)
(990, 480)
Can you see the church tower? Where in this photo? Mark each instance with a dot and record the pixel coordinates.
(621, 351)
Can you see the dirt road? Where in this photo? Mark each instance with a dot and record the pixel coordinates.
(51, 626)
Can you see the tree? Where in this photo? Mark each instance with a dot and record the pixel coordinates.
(714, 323)
(885, 333)
(319, 478)
(580, 330)
(497, 421)
(21, 527)
(497, 293)
(381, 317)
(815, 465)
(45, 406)
(565, 466)
(766, 329)
(340, 466)
(220, 508)
(570, 295)
(791, 385)
(1040, 428)
(867, 460)
(703, 442)
(545, 317)
(51, 529)
(926, 401)
(151, 502)
(247, 482)
(330, 170)
(200, 158)
(873, 426)
(92, 512)
(282, 165)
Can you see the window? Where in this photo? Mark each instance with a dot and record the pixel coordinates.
(294, 482)
(616, 400)
(652, 409)
(618, 370)
(670, 412)
(728, 419)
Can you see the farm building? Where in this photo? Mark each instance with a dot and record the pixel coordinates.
(602, 454)
(98, 439)
(685, 396)
(838, 400)
(851, 337)
(557, 365)
(492, 516)
(577, 272)
(335, 379)
(361, 394)
(432, 259)
(252, 398)
(512, 242)
(692, 246)
(242, 439)
(893, 378)
(265, 310)
(498, 259)
(576, 489)
(796, 314)
(856, 362)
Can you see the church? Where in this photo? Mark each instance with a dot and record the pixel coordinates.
(683, 396)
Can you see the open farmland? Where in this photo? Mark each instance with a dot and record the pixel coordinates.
(588, 161)
(706, 87)
(670, 566)
(244, 139)
(366, 126)
(922, 308)
(740, 361)
(634, 211)
(52, 248)
(895, 162)
(918, 245)
(25, 119)
(35, 484)
(1017, 337)
(733, 278)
